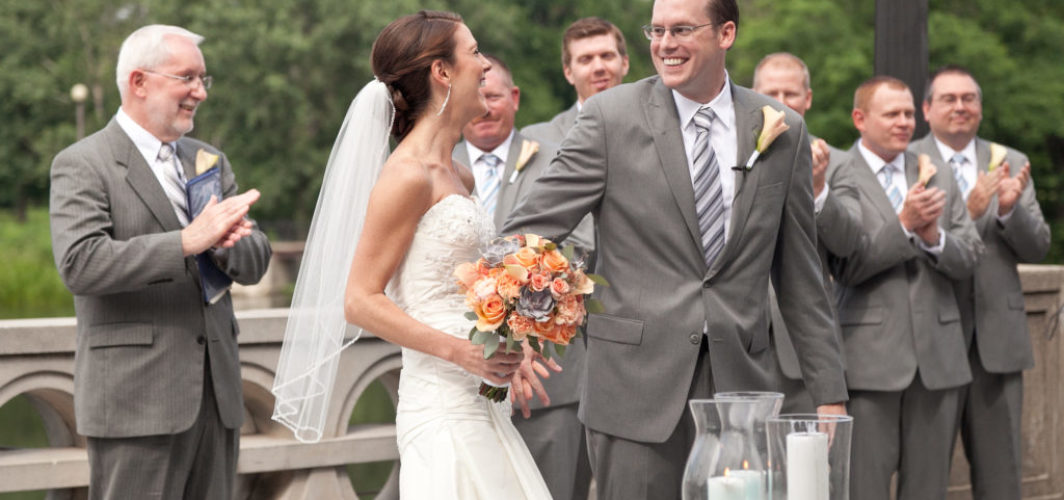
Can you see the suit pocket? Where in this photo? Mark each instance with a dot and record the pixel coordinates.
(615, 329)
(853, 317)
(949, 315)
(121, 334)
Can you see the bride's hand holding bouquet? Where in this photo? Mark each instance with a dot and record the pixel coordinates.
(525, 288)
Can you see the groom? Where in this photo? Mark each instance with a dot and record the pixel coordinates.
(683, 239)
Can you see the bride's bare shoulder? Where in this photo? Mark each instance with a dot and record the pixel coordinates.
(406, 181)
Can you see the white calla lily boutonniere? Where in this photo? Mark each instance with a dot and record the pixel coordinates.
(772, 127)
(528, 150)
(997, 155)
(204, 161)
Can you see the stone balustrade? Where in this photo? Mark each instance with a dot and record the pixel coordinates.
(36, 360)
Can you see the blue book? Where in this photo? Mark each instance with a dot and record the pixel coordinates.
(199, 190)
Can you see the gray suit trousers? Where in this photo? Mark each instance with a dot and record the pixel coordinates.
(990, 413)
(558, 444)
(919, 449)
(198, 463)
(628, 470)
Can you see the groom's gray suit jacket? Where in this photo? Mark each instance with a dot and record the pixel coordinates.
(625, 162)
(143, 327)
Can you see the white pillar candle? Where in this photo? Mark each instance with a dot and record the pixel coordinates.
(754, 483)
(807, 466)
(726, 488)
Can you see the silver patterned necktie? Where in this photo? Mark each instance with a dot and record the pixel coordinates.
(489, 192)
(709, 197)
(174, 185)
(886, 179)
(957, 162)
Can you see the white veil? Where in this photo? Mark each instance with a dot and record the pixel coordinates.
(316, 331)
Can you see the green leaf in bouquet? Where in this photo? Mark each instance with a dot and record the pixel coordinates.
(511, 344)
(480, 338)
(560, 349)
(567, 251)
(472, 333)
(594, 306)
(491, 345)
(470, 315)
(534, 343)
(597, 279)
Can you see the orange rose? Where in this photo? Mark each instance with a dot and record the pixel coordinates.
(551, 332)
(521, 326)
(539, 281)
(559, 287)
(554, 261)
(490, 313)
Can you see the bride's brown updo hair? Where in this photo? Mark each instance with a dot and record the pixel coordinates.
(402, 57)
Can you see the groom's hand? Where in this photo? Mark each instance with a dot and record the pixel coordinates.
(526, 383)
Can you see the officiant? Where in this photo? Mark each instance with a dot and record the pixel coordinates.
(157, 386)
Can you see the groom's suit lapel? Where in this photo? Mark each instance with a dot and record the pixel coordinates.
(748, 121)
(668, 141)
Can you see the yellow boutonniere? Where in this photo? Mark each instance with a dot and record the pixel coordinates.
(204, 161)
(773, 126)
(997, 155)
(926, 169)
(528, 150)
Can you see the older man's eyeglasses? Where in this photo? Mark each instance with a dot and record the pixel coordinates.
(190, 80)
(677, 32)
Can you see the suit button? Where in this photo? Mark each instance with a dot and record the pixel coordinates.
(695, 338)
(706, 284)
(201, 340)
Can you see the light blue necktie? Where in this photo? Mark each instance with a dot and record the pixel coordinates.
(709, 198)
(175, 184)
(489, 192)
(886, 179)
(957, 162)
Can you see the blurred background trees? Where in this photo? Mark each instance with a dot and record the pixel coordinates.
(286, 70)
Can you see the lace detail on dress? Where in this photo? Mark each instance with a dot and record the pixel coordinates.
(451, 232)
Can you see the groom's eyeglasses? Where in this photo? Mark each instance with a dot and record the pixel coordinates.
(677, 32)
(190, 80)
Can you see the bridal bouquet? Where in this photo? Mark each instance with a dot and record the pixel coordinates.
(525, 287)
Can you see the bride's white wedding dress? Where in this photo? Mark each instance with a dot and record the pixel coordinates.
(453, 443)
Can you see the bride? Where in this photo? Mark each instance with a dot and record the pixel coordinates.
(401, 223)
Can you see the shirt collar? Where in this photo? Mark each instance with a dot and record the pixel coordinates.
(145, 142)
(948, 152)
(875, 162)
(501, 150)
(722, 106)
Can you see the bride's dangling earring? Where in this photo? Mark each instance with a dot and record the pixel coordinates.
(445, 99)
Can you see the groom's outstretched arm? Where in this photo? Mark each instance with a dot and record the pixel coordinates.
(571, 187)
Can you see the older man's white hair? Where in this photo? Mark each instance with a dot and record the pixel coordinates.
(147, 48)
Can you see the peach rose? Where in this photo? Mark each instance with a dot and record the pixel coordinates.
(581, 283)
(559, 287)
(539, 281)
(571, 310)
(520, 326)
(467, 274)
(528, 258)
(508, 287)
(490, 313)
(554, 261)
(551, 332)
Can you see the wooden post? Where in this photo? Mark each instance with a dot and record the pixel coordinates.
(901, 48)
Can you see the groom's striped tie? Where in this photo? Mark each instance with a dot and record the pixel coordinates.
(709, 198)
(957, 162)
(489, 192)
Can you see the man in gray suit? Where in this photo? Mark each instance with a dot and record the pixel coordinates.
(785, 77)
(1006, 214)
(552, 431)
(683, 243)
(594, 58)
(157, 374)
(905, 354)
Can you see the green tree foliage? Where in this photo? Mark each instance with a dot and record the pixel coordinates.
(286, 71)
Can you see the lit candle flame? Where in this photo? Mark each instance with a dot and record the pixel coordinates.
(746, 465)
